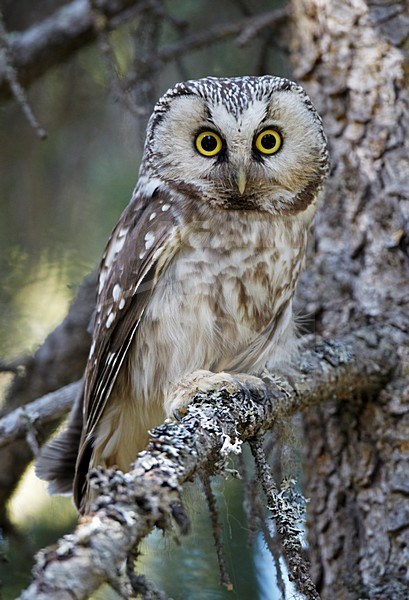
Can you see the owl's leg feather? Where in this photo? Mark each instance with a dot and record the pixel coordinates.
(205, 381)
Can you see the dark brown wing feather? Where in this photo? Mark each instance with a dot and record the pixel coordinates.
(140, 247)
(146, 239)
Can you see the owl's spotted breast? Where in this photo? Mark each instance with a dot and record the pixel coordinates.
(224, 303)
(230, 284)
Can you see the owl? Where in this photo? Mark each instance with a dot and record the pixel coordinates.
(200, 270)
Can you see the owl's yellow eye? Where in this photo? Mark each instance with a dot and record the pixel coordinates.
(208, 143)
(268, 141)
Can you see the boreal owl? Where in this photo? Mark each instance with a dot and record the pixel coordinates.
(200, 270)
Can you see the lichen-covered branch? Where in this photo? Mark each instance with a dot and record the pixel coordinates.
(285, 515)
(129, 505)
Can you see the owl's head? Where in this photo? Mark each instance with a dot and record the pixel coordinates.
(240, 143)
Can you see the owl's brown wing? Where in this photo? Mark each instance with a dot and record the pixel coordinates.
(141, 245)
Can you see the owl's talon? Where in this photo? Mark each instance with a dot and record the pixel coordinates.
(176, 414)
(205, 382)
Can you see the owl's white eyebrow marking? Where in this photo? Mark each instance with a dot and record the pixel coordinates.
(121, 303)
(153, 215)
(116, 292)
(110, 319)
(149, 239)
(165, 207)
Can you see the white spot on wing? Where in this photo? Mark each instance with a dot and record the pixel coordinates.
(123, 231)
(113, 249)
(110, 319)
(102, 279)
(165, 207)
(153, 215)
(149, 239)
(121, 303)
(116, 292)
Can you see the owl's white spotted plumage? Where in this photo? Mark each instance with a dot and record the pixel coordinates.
(200, 270)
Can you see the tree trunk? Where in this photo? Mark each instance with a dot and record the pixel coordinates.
(352, 58)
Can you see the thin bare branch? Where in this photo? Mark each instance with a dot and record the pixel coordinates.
(129, 505)
(217, 530)
(209, 36)
(29, 420)
(16, 88)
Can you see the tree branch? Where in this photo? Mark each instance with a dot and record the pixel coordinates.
(35, 416)
(52, 41)
(60, 360)
(15, 87)
(285, 515)
(70, 28)
(246, 29)
(129, 505)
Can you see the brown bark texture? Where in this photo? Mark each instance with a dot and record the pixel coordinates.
(352, 57)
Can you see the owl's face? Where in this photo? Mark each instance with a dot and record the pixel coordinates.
(242, 143)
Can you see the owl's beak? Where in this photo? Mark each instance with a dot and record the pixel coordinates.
(241, 180)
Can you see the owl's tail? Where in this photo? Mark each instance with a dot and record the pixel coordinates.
(56, 463)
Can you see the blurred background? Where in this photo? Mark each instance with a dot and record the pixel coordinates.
(59, 199)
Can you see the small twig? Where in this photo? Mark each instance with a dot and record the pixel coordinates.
(251, 490)
(31, 438)
(15, 86)
(216, 529)
(259, 23)
(273, 545)
(285, 516)
(245, 10)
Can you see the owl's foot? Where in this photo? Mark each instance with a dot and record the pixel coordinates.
(205, 381)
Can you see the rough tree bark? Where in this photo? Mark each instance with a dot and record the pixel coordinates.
(352, 58)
